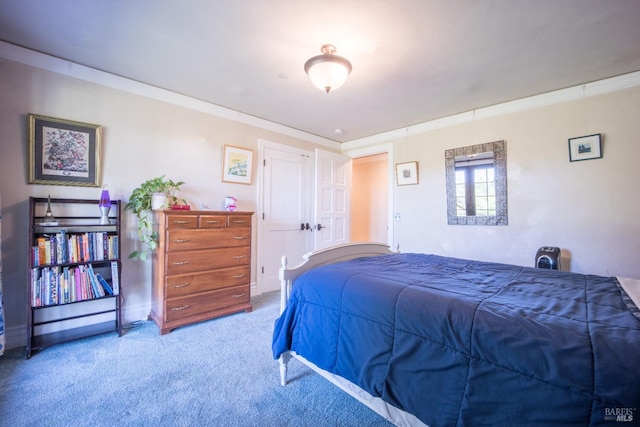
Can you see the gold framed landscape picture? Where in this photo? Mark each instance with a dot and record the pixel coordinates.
(237, 164)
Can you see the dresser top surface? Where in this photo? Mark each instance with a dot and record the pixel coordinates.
(203, 212)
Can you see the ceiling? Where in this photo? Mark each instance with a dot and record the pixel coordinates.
(413, 60)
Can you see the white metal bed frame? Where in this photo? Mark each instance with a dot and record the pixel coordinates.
(329, 256)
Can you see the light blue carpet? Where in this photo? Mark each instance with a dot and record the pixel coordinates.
(214, 373)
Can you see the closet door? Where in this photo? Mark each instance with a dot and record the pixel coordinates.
(287, 196)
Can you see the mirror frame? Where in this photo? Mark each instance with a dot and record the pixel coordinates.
(499, 149)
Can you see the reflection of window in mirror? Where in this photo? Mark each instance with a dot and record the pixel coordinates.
(475, 185)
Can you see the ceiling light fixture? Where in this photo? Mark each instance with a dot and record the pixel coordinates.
(327, 71)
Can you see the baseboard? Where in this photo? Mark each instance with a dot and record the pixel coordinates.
(133, 313)
(15, 336)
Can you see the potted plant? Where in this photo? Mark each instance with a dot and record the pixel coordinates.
(143, 200)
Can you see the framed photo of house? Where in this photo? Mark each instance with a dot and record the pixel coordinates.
(585, 147)
(407, 173)
(236, 165)
(63, 152)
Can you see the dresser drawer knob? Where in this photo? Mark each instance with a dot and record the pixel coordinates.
(239, 276)
(213, 221)
(239, 257)
(238, 221)
(181, 240)
(181, 262)
(239, 237)
(181, 221)
(239, 295)
(181, 285)
(184, 307)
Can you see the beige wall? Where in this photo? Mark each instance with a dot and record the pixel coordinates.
(142, 138)
(589, 209)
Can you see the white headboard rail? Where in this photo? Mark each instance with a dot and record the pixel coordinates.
(326, 256)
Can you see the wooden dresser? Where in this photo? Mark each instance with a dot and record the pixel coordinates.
(201, 268)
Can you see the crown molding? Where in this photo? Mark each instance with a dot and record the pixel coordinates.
(71, 69)
(599, 87)
(50, 63)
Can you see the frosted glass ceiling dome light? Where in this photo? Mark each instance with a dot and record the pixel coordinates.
(328, 71)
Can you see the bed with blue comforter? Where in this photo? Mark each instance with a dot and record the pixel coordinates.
(463, 343)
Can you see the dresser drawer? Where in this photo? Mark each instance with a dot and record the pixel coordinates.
(191, 261)
(181, 308)
(190, 239)
(212, 221)
(182, 221)
(239, 221)
(188, 284)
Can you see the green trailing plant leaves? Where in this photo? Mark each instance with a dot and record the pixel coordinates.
(140, 204)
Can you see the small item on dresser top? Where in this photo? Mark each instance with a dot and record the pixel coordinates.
(230, 203)
(180, 207)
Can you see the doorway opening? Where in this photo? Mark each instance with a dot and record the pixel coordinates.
(370, 199)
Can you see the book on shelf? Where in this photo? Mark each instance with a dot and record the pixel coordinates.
(64, 248)
(87, 288)
(41, 250)
(54, 285)
(66, 286)
(115, 280)
(47, 251)
(113, 246)
(62, 244)
(35, 290)
(105, 284)
(97, 286)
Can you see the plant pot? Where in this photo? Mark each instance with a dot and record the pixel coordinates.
(158, 201)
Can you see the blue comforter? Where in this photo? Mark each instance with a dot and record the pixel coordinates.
(460, 343)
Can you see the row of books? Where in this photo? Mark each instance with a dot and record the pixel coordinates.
(62, 285)
(63, 248)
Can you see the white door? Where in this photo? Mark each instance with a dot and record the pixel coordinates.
(333, 183)
(287, 196)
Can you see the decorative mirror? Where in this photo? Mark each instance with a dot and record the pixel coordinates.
(477, 184)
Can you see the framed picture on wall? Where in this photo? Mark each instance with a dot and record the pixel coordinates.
(407, 173)
(63, 152)
(585, 147)
(236, 165)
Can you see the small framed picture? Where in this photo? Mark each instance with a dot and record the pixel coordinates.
(63, 152)
(407, 173)
(585, 147)
(236, 165)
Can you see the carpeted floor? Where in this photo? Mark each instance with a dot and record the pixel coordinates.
(215, 373)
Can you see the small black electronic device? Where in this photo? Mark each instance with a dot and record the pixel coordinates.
(548, 257)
